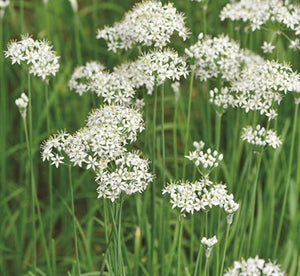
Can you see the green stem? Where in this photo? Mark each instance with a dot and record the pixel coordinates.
(175, 147)
(287, 181)
(50, 179)
(188, 121)
(74, 219)
(225, 248)
(77, 39)
(163, 209)
(3, 113)
(153, 216)
(179, 248)
(253, 201)
(28, 137)
(32, 194)
(197, 265)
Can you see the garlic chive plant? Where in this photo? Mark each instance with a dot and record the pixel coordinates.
(100, 146)
(202, 195)
(150, 23)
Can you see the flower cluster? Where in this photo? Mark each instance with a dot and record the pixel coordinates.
(254, 266)
(149, 23)
(92, 77)
(215, 56)
(260, 87)
(209, 243)
(101, 146)
(37, 54)
(221, 99)
(200, 195)
(259, 12)
(204, 160)
(130, 175)
(261, 137)
(22, 104)
(3, 5)
(153, 69)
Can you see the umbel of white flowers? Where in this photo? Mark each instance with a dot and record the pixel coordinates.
(101, 147)
(209, 243)
(149, 23)
(220, 56)
(38, 55)
(254, 266)
(153, 68)
(258, 12)
(259, 136)
(205, 161)
(92, 77)
(22, 104)
(201, 195)
(3, 5)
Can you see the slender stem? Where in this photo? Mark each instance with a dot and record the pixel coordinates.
(197, 265)
(163, 209)
(175, 147)
(163, 134)
(287, 180)
(188, 121)
(119, 246)
(153, 216)
(3, 113)
(22, 16)
(50, 179)
(179, 247)
(74, 219)
(28, 137)
(77, 38)
(32, 193)
(225, 248)
(253, 201)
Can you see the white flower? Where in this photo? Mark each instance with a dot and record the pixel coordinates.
(56, 160)
(130, 175)
(259, 12)
(38, 55)
(101, 146)
(209, 243)
(22, 104)
(153, 68)
(254, 266)
(149, 23)
(205, 160)
(267, 47)
(200, 195)
(92, 77)
(222, 98)
(261, 86)
(295, 44)
(213, 57)
(261, 137)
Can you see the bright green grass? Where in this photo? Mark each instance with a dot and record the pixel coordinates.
(137, 235)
